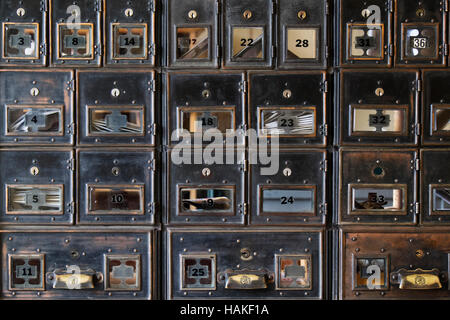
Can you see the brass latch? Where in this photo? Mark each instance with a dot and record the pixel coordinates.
(73, 278)
(245, 279)
(418, 279)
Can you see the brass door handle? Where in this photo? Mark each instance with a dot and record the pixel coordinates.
(73, 278)
(245, 279)
(417, 279)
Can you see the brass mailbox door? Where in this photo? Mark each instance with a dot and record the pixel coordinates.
(36, 186)
(130, 32)
(24, 33)
(291, 106)
(303, 34)
(78, 264)
(116, 108)
(236, 264)
(192, 33)
(377, 186)
(37, 107)
(420, 33)
(378, 108)
(296, 195)
(435, 186)
(75, 33)
(199, 104)
(364, 31)
(205, 189)
(116, 187)
(247, 33)
(394, 264)
(436, 108)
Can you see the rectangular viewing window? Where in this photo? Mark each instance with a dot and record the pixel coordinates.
(441, 119)
(198, 272)
(192, 43)
(287, 121)
(288, 200)
(378, 199)
(302, 43)
(379, 119)
(129, 41)
(248, 43)
(35, 199)
(75, 41)
(206, 201)
(20, 40)
(420, 40)
(200, 119)
(34, 120)
(365, 41)
(440, 197)
(294, 272)
(112, 120)
(127, 199)
(370, 273)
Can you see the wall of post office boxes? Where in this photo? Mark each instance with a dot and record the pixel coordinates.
(119, 179)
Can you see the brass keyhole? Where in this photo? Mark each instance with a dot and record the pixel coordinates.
(206, 94)
(34, 92)
(115, 171)
(129, 12)
(206, 172)
(366, 13)
(420, 254)
(420, 12)
(192, 14)
(20, 12)
(287, 94)
(246, 254)
(379, 92)
(287, 172)
(302, 14)
(34, 171)
(115, 92)
(247, 14)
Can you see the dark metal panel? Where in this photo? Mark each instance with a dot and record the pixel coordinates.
(236, 265)
(116, 187)
(75, 33)
(247, 33)
(36, 186)
(119, 109)
(296, 195)
(38, 107)
(130, 32)
(23, 33)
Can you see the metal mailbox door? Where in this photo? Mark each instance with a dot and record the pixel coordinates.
(378, 108)
(23, 32)
(130, 32)
(296, 195)
(435, 186)
(64, 264)
(395, 264)
(248, 33)
(436, 107)
(205, 188)
(75, 30)
(192, 33)
(116, 108)
(289, 105)
(364, 31)
(38, 107)
(377, 186)
(203, 104)
(116, 187)
(36, 186)
(420, 33)
(223, 264)
(303, 34)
